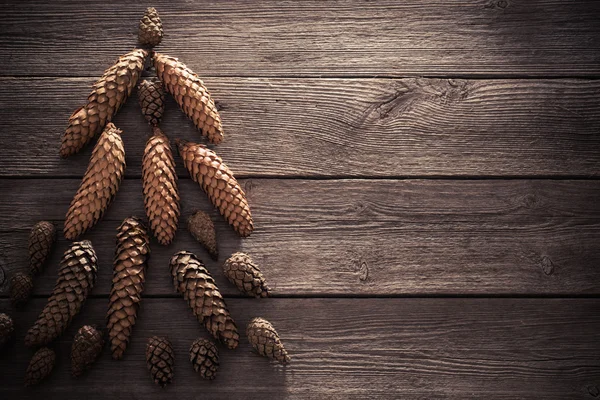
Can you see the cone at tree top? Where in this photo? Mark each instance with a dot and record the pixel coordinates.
(41, 241)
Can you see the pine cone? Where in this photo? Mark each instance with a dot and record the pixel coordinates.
(204, 356)
(160, 359)
(243, 273)
(21, 286)
(131, 261)
(40, 366)
(203, 230)
(192, 279)
(263, 337)
(191, 95)
(159, 179)
(76, 277)
(99, 185)
(151, 96)
(41, 241)
(86, 348)
(7, 329)
(108, 95)
(150, 31)
(208, 170)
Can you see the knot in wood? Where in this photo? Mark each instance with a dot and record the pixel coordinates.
(547, 265)
(593, 390)
(363, 271)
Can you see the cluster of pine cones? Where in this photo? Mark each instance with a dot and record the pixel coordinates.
(101, 181)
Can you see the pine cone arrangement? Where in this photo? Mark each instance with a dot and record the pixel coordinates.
(151, 96)
(204, 356)
(208, 170)
(41, 241)
(131, 261)
(264, 338)
(87, 346)
(40, 366)
(108, 95)
(76, 278)
(150, 31)
(192, 279)
(99, 185)
(7, 329)
(203, 230)
(21, 286)
(245, 275)
(160, 359)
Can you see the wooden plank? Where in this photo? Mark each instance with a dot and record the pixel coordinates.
(312, 38)
(359, 237)
(339, 127)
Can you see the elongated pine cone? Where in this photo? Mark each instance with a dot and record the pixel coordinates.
(264, 338)
(40, 366)
(204, 356)
(192, 279)
(130, 264)
(41, 241)
(7, 329)
(108, 95)
(191, 95)
(76, 278)
(21, 286)
(151, 96)
(150, 31)
(203, 230)
(208, 170)
(99, 185)
(160, 359)
(86, 348)
(245, 275)
(159, 179)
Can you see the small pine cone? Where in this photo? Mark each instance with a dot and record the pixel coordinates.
(150, 31)
(130, 264)
(21, 286)
(192, 279)
(99, 184)
(76, 277)
(40, 366)
(263, 337)
(86, 348)
(41, 241)
(160, 359)
(7, 329)
(159, 179)
(191, 95)
(108, 95)
(208, 170)
(203, 230)
(151, 96)
(204, 356)
(243, 273)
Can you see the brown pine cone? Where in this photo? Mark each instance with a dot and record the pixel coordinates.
(99, 184)
(159, 179)
(191, 95)
(131, 261)
(264, 338)
(150, 32)
(245, 275)
(192, 279)
(208, 170)
(76, 277)
(7, 329)
(151, 96)
(40, 366)
(203, 230)
(86, 348)
(160, 359)
(21, 286)
(41, 241)
(204, 356)
(108, 95)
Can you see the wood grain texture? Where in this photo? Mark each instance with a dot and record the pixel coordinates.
(357, 237)
(312, 38)
(338, 127)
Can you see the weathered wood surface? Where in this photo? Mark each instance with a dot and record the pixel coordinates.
(312, 38)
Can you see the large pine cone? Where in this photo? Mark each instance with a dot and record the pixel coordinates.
(108, 95)
(131, 261)
(160, 359)
(150, 30)
(264, 338)
(7, 329)
(204, 356)
(99, 185)
(76, 278)
(40, 366)
(151, 96)
(192, 279)
(203, 230)
(208, 170)
(191, 95)
(161, 197)
(86, 348)
(245, 275)
(41, 240)
(21, 286)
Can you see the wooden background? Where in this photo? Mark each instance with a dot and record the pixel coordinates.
(423, 177)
